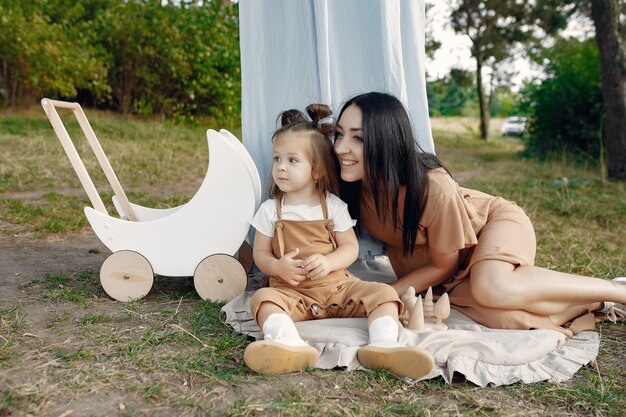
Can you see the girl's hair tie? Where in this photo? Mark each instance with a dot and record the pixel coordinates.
(328, 120)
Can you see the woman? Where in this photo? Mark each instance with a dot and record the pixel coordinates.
(478, 248)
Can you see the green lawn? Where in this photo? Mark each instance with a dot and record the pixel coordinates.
(63, 341)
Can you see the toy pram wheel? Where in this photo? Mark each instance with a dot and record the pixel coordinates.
(220, 278)
(244, 256)
(126, 276)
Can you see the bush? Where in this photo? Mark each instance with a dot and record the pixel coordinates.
(565, 109)
(453, 95)
(179, 59)
(45, 50)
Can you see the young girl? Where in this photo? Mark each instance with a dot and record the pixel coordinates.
(304, 241)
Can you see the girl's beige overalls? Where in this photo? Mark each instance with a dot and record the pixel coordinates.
(335, 295)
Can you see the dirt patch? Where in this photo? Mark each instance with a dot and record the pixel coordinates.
(26, 258)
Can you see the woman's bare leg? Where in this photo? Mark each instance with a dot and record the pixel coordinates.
(573, 312)
(539, 290)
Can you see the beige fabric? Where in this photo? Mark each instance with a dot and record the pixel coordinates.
(309, 237)
(349, 297)
(485, 356)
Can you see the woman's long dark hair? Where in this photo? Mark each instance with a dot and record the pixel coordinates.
(392, 158)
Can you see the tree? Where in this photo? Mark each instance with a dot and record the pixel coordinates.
(141, 40)
(495, 28)
(504, 101)
(431, 43)
(609, 18)
(452, 95)
(610, 27)
(44, 51)
(180, 59)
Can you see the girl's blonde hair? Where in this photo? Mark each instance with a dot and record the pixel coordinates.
(317, 131)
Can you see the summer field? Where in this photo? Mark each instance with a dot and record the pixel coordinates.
(67, 349)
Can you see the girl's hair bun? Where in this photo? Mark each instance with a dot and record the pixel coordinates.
(320, 115)
(319, 119)
(292, 117)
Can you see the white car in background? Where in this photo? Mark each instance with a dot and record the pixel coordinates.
(514, 126)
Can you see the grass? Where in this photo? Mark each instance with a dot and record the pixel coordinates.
(39, 188)
(65, 342)
(141, 152)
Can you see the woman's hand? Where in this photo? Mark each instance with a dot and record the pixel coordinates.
(316, 266)
(441, 268)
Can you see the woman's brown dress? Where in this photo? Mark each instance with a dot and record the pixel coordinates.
(479, 226)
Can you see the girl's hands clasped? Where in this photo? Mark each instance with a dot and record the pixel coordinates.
(290, 269)
(316, 266)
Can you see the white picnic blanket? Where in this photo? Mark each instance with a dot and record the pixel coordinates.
(483, 356)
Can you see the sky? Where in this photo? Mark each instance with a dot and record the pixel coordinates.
(455, 49)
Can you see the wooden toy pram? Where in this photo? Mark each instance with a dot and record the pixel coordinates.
(203, 238)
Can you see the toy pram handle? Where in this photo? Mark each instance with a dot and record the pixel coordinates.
(49, 107)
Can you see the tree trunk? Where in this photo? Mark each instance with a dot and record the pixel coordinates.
(4, 84)
(484, 115)
(605, 14)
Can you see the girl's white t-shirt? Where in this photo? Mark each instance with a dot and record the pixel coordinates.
(266, 216)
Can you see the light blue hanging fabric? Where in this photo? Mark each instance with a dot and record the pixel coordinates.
(296, 52)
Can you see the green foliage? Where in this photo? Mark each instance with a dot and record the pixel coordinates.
(46, 48)
(565, 109)
(504, 102)
(453, 95)
(431, 44)
(173, 60)
(141, 57)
